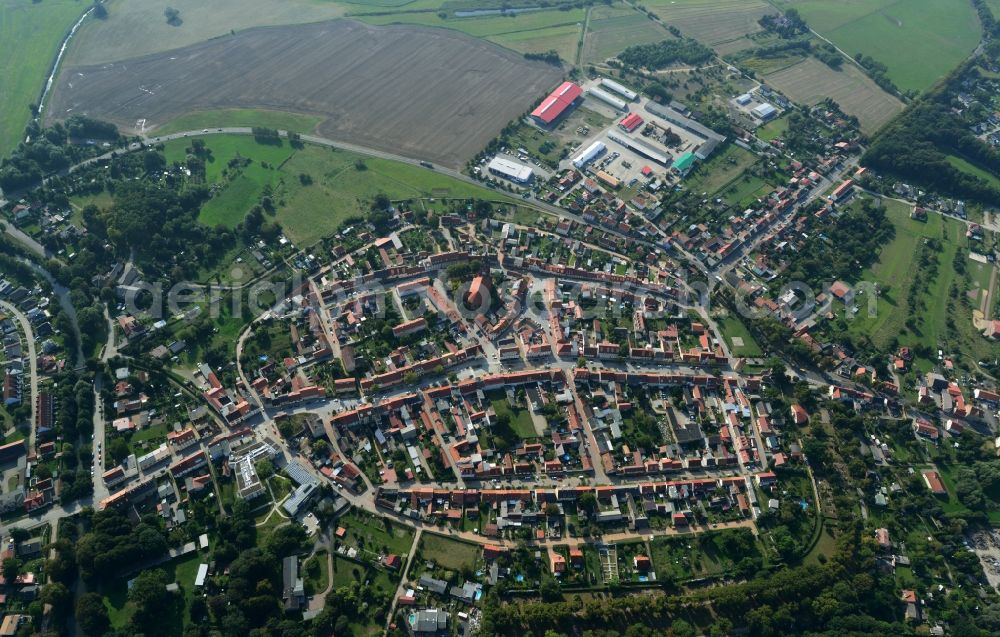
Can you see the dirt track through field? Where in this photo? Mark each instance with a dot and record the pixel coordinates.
(426, 93)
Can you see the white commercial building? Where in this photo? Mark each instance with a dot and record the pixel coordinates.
(510, 169)
(628, 93)
(639, 147)
(588, 154)
(765, 111)
(608, 98)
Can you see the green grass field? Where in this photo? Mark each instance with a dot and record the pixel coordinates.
(563, 39)
(719, 170)
(972, 169)
(309, 212)
(945, 321)
(374, 534)
(231, 118)
(520, 419)
(919, 40)
(742, 193)
(732, 327)
(446, 552)
(532, 32)
(30, 36)
(614, 29)
(773, 129)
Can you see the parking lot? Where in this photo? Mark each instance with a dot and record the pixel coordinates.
(986, 545)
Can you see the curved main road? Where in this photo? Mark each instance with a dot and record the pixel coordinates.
(29, 338)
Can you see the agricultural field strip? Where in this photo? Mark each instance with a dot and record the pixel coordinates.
(447, 117)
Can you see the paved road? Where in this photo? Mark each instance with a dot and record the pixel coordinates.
(62, 295)
(99, 447)
(29, 337)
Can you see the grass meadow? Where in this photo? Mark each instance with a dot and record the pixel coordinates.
(339, 189)
(918, 40)
(30, 36)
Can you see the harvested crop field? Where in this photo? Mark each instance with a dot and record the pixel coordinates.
(613, 30)
(137, 27)
(713, 22)
(810, 81)
(425, 93)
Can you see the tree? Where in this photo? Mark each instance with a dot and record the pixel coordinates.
(587, 502)
(549, 589)
(265, 469)
(150, 601)
(173, 16)
(118, 449)
(92, 615)
(11, 568)
(58, 596)
(286, 540)
(100, 11)
(342, 626)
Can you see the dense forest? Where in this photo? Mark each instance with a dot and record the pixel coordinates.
(916, 146)
(662, 54)
(55, 148)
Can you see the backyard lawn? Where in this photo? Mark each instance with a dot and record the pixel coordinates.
(520, 419)
(446, 552)
(721, 169)
(375, 533)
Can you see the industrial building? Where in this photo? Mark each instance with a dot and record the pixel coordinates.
(589, 154)
(608, 179)
(608, 98)
(627, 93)
(744, 99)
(631, 122)
(764, 111)
(511, 170)
(684, 163)
(556, 103)
(674, 116)
(639, 147)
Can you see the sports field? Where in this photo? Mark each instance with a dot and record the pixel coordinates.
(308, 212)
(30, 36)
(137, 27)
(810, 81)
(614, 29)
(429, 94)
(919, 41)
